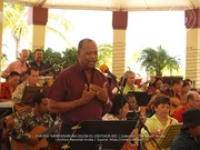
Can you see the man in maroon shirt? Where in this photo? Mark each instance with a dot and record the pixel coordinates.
(193, 101)
(80, 92)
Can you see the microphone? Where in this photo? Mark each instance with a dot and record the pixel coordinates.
(104, 68)
(123, 81)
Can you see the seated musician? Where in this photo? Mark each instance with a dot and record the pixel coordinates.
(174, 93)
(193, 101)
(19, 65)
(185, 90)
(155, 86)
(119, 109)
(130, 84)
(8, 87)
(160, 120)
(132, 102)
(33, 75)
(33, 121)
(38, 63)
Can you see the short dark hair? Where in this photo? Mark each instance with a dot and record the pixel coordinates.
(130, 94)
(80, 44)
(156, 80)
(175, 81)
(38, 98)
(188, 80)
(38, 50)
(118, 102)
(14, 73)
(185, 83)
(32, 68)
(161, 99)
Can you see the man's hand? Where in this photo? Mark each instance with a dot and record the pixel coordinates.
(87, 95)
(100, 92)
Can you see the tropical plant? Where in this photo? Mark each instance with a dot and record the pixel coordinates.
(69, 57)
(155, 61)
(104, 55)
(66, 58)
(15, 19)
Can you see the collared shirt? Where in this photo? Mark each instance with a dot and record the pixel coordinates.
(18, 93)
(5, 91)
(127, 89)
(42, 67)
(17, 66)
(153, 124)
(109, 116)
(69, 85)
(27, 121)
(184, 141)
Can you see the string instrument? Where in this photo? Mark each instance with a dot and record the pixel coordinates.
(175, 104)
(165, 139)
(132, 142)
(22, 106)
(23, 74)
(41, 133)
(9, 120)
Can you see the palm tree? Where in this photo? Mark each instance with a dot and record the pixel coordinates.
(15, 19)
(157, 60)
(104, 55)
(173, 64)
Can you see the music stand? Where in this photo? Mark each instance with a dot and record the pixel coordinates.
(6, 108)
(168, 135)
(31, 91)
(101, 134)
(142, 98)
